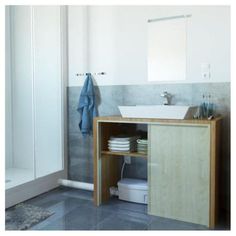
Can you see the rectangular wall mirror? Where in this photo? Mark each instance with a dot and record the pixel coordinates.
(167, 41)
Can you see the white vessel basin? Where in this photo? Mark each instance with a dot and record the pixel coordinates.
(158, 111)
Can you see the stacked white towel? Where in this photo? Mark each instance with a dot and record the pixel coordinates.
(122, 143)
(142, 146)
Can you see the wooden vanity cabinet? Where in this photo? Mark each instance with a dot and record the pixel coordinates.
(182, 166)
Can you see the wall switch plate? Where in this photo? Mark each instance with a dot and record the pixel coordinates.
(205, 71)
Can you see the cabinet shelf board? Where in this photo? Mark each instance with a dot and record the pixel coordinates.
(131, 154)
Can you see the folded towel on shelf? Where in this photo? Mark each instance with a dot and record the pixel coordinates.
(142, 146)
(122, 143)
(87, 106)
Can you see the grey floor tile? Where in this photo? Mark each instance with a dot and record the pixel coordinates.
(120, 221)
(49, 198)
(74, 210)
(82, 218)
(81, 194)
(160, 223)
(60, 210)
(115, 205)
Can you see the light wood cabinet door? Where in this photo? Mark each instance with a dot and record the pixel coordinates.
(179, 172)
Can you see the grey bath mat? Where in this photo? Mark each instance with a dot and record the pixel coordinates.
(23, 216)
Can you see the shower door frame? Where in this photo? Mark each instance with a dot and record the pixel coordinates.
(48, 182)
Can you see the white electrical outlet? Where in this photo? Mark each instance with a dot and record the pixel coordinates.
(205, 71)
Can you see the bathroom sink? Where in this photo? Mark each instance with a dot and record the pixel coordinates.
(158, 111)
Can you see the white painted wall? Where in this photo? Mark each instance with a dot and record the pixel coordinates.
(77, 41)
(117, 42)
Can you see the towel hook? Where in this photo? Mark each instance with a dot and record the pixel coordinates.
(84, 74)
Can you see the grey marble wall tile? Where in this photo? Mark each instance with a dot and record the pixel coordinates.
(72, 103)
(80, 148)
(80, 157)
(151, 94)
(141, 95)
(109, 98)
(82, 172)
(137, 169)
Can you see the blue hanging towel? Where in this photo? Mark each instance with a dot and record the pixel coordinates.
(87, 106)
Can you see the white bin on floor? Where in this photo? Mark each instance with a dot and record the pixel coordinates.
(133, 190)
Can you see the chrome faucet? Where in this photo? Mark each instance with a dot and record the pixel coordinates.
(167, 97)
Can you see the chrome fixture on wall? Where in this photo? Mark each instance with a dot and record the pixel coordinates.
(84, 74)
(169, 18)
(167, 97)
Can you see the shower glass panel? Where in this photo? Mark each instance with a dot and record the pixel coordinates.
(48, 94)
(34, 96)
(19, 95)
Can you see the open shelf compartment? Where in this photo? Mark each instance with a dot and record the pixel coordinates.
(111, 162)
(114, 129)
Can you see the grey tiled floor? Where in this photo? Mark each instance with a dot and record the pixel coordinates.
(74, 210)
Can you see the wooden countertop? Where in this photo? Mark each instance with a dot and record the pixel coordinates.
(119, 119)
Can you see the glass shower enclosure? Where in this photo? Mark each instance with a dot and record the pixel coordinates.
(35, 100)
